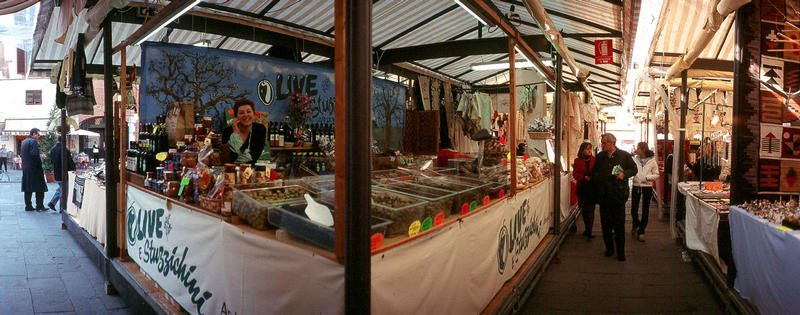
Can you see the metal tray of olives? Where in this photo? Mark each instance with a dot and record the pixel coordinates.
(252, 205)
(320, 184)
(465, 193)
(277, 196)
(439, 200)
(401, 209)
(292, 218)
(378, 176)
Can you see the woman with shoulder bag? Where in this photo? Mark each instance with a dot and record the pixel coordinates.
(642, 188)
(581, 171)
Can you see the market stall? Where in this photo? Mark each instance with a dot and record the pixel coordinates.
(193, 217)
(86, 204)
(706, 215)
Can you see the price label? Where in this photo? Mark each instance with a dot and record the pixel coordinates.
(184, 182)
(473, 205)
(155, 128)
(437, 221)
(207, 141)
(413, 229)
(464, 208)
(505, 162)
(502, 193)
(426, 224)
(161, 156)
(485, 200)
(375, 241)
(782, 228)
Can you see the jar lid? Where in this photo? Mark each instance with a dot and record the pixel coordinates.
(230, 165)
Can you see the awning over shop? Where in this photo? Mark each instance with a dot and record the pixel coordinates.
(96, 122)
(23, 126)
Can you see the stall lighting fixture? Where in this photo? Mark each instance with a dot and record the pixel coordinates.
(167, 20)
(466, 8)
(499, 65)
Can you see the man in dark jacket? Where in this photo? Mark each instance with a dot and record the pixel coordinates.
(612, 168)
(32, 172)
(55, 156)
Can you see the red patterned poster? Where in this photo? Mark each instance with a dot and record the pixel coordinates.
(790, 143)
(769, 175)
(790, 176)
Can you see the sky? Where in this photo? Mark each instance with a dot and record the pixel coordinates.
(9, 31)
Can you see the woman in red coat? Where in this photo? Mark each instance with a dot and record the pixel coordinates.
(581, 171)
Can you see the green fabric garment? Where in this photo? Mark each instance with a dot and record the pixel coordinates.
(236, 143)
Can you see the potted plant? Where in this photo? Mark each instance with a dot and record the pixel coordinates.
(298, 113)
(49, 139)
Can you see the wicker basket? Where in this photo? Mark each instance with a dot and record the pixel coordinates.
(540, 135)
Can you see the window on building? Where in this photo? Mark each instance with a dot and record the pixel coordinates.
(33, 97)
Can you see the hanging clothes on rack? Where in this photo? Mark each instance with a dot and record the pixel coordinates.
(447, 102)
(436, 91)
(424, 90)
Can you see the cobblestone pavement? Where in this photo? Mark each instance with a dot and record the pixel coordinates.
(42, 268)
(655, 278)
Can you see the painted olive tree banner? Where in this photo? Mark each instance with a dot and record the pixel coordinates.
(213, 79)
(212, 267)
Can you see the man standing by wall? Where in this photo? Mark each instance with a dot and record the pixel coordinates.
(3, 158)
(55, 156)
(95, 152)
(610, 175)
(32, 172)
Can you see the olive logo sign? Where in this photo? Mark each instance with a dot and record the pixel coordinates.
(265, 92)
(502, 254)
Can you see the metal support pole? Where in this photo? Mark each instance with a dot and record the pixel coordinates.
(111, 165)
(64, 162)
(512, 104)
(678, 158)
(357, 88)
(557, 147)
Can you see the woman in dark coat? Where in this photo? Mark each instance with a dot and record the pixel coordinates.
(32, 172)
(582, 172)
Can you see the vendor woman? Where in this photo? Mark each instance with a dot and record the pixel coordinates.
(246, 138)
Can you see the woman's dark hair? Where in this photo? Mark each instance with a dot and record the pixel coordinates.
(240, 103)
(583, 147)
(646, 149)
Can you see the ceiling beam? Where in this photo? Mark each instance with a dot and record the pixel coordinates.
(703, 64)
(264, 18)
(460, 48)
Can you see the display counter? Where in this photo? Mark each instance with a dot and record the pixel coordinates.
(766, 256)
(86, 204)
(492, 241)
(704, 213)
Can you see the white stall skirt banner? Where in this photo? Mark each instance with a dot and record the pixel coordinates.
(212, 267)
(702, 227)
(460, 268)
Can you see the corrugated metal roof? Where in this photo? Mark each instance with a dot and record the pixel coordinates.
(681, 30)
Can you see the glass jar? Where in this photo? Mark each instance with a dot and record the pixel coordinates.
(230, 173)
(189, 159)
(169, 175)
(245, 173)
(261, 173)
(172, 188)
(207, 122)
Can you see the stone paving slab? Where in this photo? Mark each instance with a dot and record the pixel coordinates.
(42, 268)
(653, 280)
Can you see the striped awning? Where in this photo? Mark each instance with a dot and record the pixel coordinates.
(396, 24)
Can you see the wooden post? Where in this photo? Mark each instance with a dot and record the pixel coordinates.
(557, 119)
(112, 250)
(123, 140)
(512, 117)
(340, 129)
(353, 111)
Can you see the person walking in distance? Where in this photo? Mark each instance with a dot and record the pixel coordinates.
(582, 173)
(612, 169)
(647, 173)
(55, 156)
(95, 152)
(32, 172)
(3, 157)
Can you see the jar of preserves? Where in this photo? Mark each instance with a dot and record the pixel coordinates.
(171, 189)
(198, 129)
(169, 175)
(189, 159)
(261, 173)
(230, 173)
(207, 122)
(245, 173)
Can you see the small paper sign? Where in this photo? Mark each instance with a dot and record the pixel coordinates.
(505, 162)
(413, 229)
(426, 224)
(155, 128)
(473, 205)
(485, 200)
(465, 208)
(375, 241)
(161, 156)
(502, 193)
(184, 182)
(438, 219)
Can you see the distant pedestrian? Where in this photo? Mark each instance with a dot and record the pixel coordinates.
(612, 169)
(3, 157)
(582, 172)
(95, 152)
(32, 172)
(55, 156)
(647, 173)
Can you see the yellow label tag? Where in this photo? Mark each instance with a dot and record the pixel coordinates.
(207, 141)
(783, 228)
(155, 128)
(161, 156)
(508, 156)
(414, 228)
